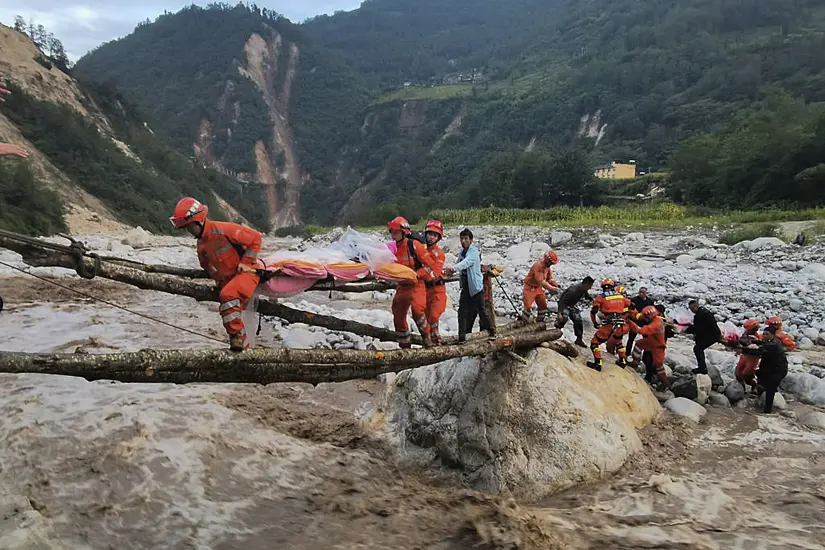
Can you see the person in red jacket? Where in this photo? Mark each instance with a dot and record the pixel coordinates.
(414, 255)
(653, 340)
(613, 307)
(537, 281)
(228, 252)
(436, 290)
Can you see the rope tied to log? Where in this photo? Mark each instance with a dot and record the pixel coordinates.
(79, 252)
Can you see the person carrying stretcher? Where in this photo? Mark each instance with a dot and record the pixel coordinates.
(612, 306)
(537, 281)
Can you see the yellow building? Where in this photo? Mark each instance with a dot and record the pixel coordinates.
(617, 171)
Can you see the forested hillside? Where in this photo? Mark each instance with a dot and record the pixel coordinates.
(540, 92)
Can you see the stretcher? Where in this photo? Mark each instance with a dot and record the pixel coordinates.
(354, 257)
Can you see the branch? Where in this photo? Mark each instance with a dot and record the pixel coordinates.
(263, 366)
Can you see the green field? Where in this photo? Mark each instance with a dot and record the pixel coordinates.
(437, 93)
(650, 216)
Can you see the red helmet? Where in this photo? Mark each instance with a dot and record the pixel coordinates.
(435, 226)
(751, 324)
(650, 312)
(187, 211)
(399, 224)
(551, 257)
(608, 283)
(774, 322)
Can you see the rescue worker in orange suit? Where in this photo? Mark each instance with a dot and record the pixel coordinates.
(774, 324)
(537, 281)
(228, 252)
(436, 289)
(613, 306)
(749, 360)
(653, 341)
(414, 255)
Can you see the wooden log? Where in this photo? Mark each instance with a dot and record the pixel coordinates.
(261, 366)
(203, 291)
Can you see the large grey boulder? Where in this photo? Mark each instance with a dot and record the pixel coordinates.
(526, 430)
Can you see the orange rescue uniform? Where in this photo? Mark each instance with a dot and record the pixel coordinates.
(654, 341)
(786, 340)
(222, 247)
(614, 307)
(539, 279)
(749, 360)
(412, 296)
(436, 292)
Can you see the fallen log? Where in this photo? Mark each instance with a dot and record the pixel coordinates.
(262, 366)
(44, 254)
(205, 291)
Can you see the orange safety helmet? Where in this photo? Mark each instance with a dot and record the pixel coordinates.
(774, 322)
(751, 324)
(188, 210)
(435, 226)
(399, 224)
(621, 290)
(608, 283)
(650, 312)
(551, 257)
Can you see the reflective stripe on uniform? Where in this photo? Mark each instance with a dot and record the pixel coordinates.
(223, 250)
(231, 317)
(216, 231)
(251, 254)
(230, 304)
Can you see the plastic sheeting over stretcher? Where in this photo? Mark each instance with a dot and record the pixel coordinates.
(353, 257)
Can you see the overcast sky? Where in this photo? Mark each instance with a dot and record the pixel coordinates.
(82, 25)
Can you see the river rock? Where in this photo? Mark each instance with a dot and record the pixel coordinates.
(810, 332)
(301, 338)
(718, 400)
(734, 392)
(529, 430)
(639, 262)
(805, 344)
(137, 238)
(796, 304)
(805, 387)
(558, 238)
(537, 250)
(820, 340)
(814, 271)
(685, 260)
(778, 401)
(687, 408)
(519, 254)
(703, 386)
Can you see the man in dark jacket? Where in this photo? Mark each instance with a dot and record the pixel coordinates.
(772, 368)
(706, 333)
(641, 301)
(568, 310)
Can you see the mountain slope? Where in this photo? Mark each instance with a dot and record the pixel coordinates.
(92, 148)
(240, 88)
(560, 80)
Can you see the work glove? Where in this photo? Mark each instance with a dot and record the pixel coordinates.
(497, 270)
(448, 271)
